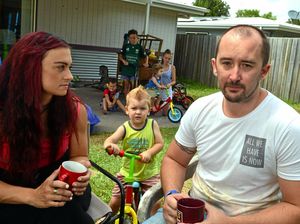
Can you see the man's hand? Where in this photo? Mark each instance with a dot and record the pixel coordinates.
(170, 207)
(215, 215)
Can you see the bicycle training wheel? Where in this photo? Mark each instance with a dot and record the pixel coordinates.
(176, 117)
(128, 220)
(186, 102)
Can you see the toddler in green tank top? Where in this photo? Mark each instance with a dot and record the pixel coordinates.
(139, 135)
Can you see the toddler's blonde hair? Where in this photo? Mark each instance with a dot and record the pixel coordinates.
(138, 93)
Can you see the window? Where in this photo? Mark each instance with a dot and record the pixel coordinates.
(15, 21)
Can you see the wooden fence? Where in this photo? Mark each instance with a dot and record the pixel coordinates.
(193, 54)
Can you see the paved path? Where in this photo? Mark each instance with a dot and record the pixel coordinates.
(113, 120)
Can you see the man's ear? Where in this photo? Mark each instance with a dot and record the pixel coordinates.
(213, 66)
(264, 71)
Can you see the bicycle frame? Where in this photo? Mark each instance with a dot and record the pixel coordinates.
(164, 104)
(120, 216)
(180, 96)
(174, 113)
(129, 195)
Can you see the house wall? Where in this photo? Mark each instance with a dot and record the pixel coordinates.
(101, 23)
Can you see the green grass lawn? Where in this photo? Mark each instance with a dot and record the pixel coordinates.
(196, 90)
(100, 184)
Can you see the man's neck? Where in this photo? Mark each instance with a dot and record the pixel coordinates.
(236, 110)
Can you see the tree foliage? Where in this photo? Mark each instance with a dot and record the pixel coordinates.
(254, 13)
(294, 21)
(216, 7)
(269, 15)
(247, 13)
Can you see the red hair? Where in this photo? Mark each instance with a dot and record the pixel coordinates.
(20, 103)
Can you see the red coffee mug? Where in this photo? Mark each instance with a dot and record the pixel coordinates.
(70, 171)
(190, 210)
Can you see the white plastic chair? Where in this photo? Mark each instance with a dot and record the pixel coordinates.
(155, 193)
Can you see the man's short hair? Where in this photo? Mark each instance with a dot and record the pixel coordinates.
(247, 31)
(132, 32)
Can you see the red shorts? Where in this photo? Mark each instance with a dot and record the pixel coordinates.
(145, 184)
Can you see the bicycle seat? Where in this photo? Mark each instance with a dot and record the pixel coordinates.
(180, 88)
(98, 210)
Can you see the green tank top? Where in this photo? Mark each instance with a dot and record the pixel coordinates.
(137, 141)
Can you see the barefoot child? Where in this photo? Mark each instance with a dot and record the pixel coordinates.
(154, 86)
(139, 135)
(111, 97)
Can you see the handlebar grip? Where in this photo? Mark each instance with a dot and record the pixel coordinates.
(121, 153)
(109, 151)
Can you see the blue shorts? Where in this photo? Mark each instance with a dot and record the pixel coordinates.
(158, 217)
(129, 78)
(114, 108)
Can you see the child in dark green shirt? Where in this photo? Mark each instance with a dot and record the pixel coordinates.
(132, 52)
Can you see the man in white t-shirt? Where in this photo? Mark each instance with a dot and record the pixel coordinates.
(247, 140)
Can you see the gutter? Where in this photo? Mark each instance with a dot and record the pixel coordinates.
(270, 27)
(182, 10)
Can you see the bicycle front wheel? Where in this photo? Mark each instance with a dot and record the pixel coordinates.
(176, 116)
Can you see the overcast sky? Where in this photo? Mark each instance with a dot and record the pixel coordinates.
(279, 8)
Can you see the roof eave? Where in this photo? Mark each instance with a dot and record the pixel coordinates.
(182, 10)
(268, 27)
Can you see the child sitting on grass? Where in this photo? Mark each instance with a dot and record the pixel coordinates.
(154, 86)
(139, 135)
(111, 99)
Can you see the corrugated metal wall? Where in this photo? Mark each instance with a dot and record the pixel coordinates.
(101, 23)
(86, 63)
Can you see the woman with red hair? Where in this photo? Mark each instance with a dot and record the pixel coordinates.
(42, 124)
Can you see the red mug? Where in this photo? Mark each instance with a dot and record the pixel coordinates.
(70, 171)
(190, 210)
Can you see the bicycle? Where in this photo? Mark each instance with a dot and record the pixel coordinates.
(174, 113)
(108, 218)
(180, 96)
(133, 189)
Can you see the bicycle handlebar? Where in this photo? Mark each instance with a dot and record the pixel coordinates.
(132, 157)
(122, 153)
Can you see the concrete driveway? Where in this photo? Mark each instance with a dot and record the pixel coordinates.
(111, 121)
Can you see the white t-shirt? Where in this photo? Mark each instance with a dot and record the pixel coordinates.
(241, 158)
